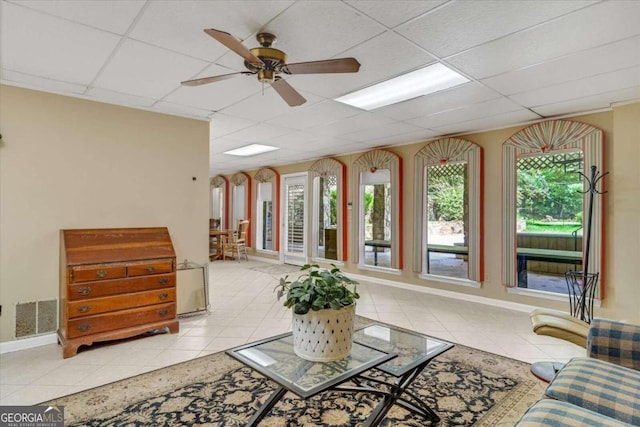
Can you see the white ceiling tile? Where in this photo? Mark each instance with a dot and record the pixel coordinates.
(144, 70)
(265, 105)
(41, 45)
(362, 121)
(400, 56)
(593, 26)
(402, 139)
(294, 139)
(114, 16)
(259, 133)
(316, 30)
(179, 25)
(607, 82)
(394, 14)
(467, 94)
(611, 57)
(181, 110)
(380, 132)
(20, 79)
(223, 124)
(314, 115)
(471, 112)
(603, 100)
(458, 26)
(120, 98)
(492, 122)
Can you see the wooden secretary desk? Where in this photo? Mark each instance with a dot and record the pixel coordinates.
(115, 283)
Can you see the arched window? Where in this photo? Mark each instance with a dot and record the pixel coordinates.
(329, 210)
(219, 200)
(267, 209)
(241, 201)
(448, 211)
(547, 143)
(378, 211)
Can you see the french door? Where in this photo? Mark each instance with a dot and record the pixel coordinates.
(293, 242)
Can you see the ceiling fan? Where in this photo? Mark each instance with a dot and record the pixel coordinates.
(268, 63)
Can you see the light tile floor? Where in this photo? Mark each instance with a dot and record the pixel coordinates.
(244, 309)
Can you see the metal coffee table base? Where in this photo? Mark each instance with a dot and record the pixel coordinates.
(393, 396)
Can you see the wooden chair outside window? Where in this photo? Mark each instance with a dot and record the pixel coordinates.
(235, 243)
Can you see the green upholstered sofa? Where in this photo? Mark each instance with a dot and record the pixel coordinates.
(602, 389)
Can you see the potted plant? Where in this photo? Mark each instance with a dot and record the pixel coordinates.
(324, 306)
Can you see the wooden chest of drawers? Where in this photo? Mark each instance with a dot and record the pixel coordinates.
(115, 283)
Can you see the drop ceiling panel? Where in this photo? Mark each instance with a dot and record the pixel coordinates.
(400, 56)
(611, 57)
(458, 26)
(314, 115)
(467, 94)
(181, 110)
(46, 46)
(259, 133)
(108, 15)
(223, 124)
(120, 98)
(471, 112)
(360, 122)
(263, 106)
(422, 135)
(179, 25)
(492, 122)
(375, 133)
(397, 13)
(140, 69)
(591, 27)
(316, 30)
(40, 83)
(607, 82)
(603, 100)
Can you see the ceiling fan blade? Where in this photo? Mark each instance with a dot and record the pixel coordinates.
(288, 93)
(341, 65)
(234, 44)
(205, 80)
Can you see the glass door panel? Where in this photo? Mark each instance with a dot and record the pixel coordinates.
(294, 239)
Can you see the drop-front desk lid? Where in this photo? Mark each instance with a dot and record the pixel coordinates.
(115, 244)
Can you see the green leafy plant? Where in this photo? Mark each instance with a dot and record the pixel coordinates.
(317, 289)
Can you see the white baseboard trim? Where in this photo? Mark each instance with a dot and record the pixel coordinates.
(23, 344)
(449, 294)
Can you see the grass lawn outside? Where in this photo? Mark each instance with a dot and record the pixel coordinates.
(553, 227)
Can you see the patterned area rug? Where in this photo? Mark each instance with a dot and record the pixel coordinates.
(464, 386)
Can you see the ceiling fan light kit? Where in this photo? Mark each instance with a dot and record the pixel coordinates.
(267, 63)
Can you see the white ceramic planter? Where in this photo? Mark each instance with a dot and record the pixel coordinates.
(324, 335)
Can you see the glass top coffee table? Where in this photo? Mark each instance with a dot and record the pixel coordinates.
(397, 352)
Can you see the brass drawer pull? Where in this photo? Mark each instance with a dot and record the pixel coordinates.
(84, 327)
(163, 313)
(150, 268)
(164, 280)
(84, 308)
(84, 291)
(101, 273)
(164, 296)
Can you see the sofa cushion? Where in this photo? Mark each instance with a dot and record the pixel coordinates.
(615, 342)
(599, 386)
(555, 413)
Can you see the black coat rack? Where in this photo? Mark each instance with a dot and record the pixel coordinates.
(582, 284)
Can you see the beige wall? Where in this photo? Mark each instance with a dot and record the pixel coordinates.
(622, 216)
(70, 163)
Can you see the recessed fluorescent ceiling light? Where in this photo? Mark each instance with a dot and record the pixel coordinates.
(407, 86)
(251, 150)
